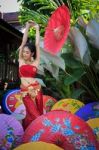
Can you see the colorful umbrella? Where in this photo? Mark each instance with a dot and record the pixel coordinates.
(11, 132)
(94, 124)
(63, 129)
(89, 111)
(70, 105)
(38, 146)
(0, 109)
(20, 112)
(48, 102)
(57, 30)
(12, 104)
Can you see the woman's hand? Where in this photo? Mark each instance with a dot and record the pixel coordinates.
(33, 24)
(36, 26)
(28, 24)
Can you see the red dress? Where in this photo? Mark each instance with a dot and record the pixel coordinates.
(34, 106)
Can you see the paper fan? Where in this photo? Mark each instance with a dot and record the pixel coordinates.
(70, 105)
(57, 30)
(89, 111)
(12, 104)
(38, 146)
(11, 132)
(48, 102)
(63, 129)
(94, 124)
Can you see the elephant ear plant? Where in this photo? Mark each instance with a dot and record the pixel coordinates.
(85, 55)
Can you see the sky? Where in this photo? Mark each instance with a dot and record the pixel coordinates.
(9, 6)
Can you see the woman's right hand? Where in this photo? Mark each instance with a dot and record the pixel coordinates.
(33, 24)
(28, 24)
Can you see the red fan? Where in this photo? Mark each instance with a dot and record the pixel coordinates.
(63, 129)
(57, 30)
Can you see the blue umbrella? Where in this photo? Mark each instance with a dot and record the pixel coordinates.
(9, 101)
(89, 111)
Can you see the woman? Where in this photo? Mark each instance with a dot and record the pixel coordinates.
(29, 58)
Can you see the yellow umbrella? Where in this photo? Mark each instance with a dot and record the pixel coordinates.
(38, 146)
(70, 105)
(94, 124)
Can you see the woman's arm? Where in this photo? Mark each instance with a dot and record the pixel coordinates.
(37, 44)
(24, 39)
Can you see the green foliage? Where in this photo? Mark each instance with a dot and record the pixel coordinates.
(40, 8)
(74, 76)
(87, 8)
(77, 72)
(90, 79)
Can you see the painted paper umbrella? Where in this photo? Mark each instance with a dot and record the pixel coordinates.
(89, 111)
(12, 104)
(20, 112)
(62, 129)
(70, 105)
(11, 132)
(57, 30)
(48, 102)
(38, 146)
(94, 124)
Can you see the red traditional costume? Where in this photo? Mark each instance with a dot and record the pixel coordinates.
(31, 95)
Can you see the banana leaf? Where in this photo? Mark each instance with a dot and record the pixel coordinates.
(74, 76)
(51, 62)
(70, 61)
(81, 50)
(92, 32)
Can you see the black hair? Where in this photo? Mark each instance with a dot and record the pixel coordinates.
(32, 48)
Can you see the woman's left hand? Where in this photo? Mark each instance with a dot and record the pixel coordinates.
(33, 24)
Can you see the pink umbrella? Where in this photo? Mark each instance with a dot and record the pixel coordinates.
(63, 129)
(57, 30)
(11, 132)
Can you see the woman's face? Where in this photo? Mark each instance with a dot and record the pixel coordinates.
(26, 53)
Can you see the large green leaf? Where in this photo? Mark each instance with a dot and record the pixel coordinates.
(54, 70)
(48, 58)
(97, 65)
(73, 77)
(70, 61)
(40, 81)
(92, 32)
(41, 70)
(45, 4)
(77, 93)
(81, 50)
(27, 14)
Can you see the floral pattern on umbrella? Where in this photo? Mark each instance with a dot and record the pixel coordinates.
(11, 132)
(89, 111)
(62, 129)
(70, 105)
(48, 102)
(94, 124)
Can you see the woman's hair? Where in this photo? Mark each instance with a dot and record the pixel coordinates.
(32, 48)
